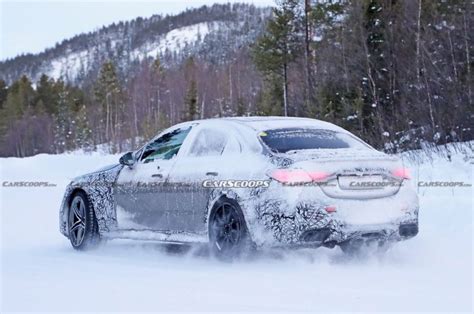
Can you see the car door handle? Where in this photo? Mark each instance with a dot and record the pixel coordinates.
(157, 175)
(215, 174)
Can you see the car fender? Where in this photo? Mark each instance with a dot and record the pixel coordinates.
(99, 187)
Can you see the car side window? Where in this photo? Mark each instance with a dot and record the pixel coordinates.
(208, 143)
(166, 146)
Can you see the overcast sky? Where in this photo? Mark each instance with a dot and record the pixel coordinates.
(34, 25)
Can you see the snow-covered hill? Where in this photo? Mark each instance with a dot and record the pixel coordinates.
(41, 272)
(213, 33)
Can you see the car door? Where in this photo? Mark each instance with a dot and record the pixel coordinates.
(142, 190)
(204, 159)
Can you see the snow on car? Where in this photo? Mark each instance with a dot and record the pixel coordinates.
(245, 183)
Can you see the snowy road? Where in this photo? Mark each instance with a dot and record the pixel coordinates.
(41, 272)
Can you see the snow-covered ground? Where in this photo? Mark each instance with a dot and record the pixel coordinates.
(41, 272)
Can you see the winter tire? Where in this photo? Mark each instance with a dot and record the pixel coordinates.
(82, 224)
(228, 234)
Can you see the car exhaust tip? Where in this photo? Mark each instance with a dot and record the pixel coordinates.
(316, 235)
(408, 230)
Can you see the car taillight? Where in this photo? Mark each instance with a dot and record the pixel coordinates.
(298, 176)
(330, 209)
(319, 176)
(401, 173)
(291, 176)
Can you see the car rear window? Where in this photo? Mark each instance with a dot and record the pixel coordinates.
(285, 140)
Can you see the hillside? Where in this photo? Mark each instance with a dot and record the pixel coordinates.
(397, 74)
(212, 33)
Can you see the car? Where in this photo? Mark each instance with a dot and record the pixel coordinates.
(245, 183)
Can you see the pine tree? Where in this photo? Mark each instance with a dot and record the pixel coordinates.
(21, 96)
(46, 94)
(323, 22)
(83, 134)
(109, 96)
(278, 48)
(191, 96)
(270, 100)
(191, 102)
(3, 92)
(157, 79)
(19, 104)
(376, 94)
(62, 119)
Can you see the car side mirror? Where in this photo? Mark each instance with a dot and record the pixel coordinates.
(127, 160)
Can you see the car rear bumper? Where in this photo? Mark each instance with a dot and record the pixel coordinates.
(386, 233)
(309, 224)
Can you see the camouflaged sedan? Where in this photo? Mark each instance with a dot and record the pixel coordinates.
(246, 183)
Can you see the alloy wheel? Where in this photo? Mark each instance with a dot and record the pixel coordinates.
(77, 221)
(227, 229)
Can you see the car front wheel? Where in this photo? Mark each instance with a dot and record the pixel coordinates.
(82, 224)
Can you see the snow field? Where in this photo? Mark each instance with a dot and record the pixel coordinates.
(41, 272)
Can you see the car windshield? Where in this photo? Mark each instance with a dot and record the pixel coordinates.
(285, 140)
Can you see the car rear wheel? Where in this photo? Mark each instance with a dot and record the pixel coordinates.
(82, 224)
(228, 234)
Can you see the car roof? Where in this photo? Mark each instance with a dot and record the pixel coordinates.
(270, 122)
(246, 128)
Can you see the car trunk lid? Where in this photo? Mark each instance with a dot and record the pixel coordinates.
(350, 173)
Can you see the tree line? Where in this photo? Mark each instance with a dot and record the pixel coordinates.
(397, 73)
(117, 114)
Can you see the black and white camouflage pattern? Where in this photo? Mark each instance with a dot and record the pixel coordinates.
(270, 220)
(99, 188)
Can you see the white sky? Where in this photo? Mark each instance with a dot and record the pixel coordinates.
(34, 25)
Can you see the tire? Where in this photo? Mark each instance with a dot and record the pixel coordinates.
(82, 224)
(228, 234)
